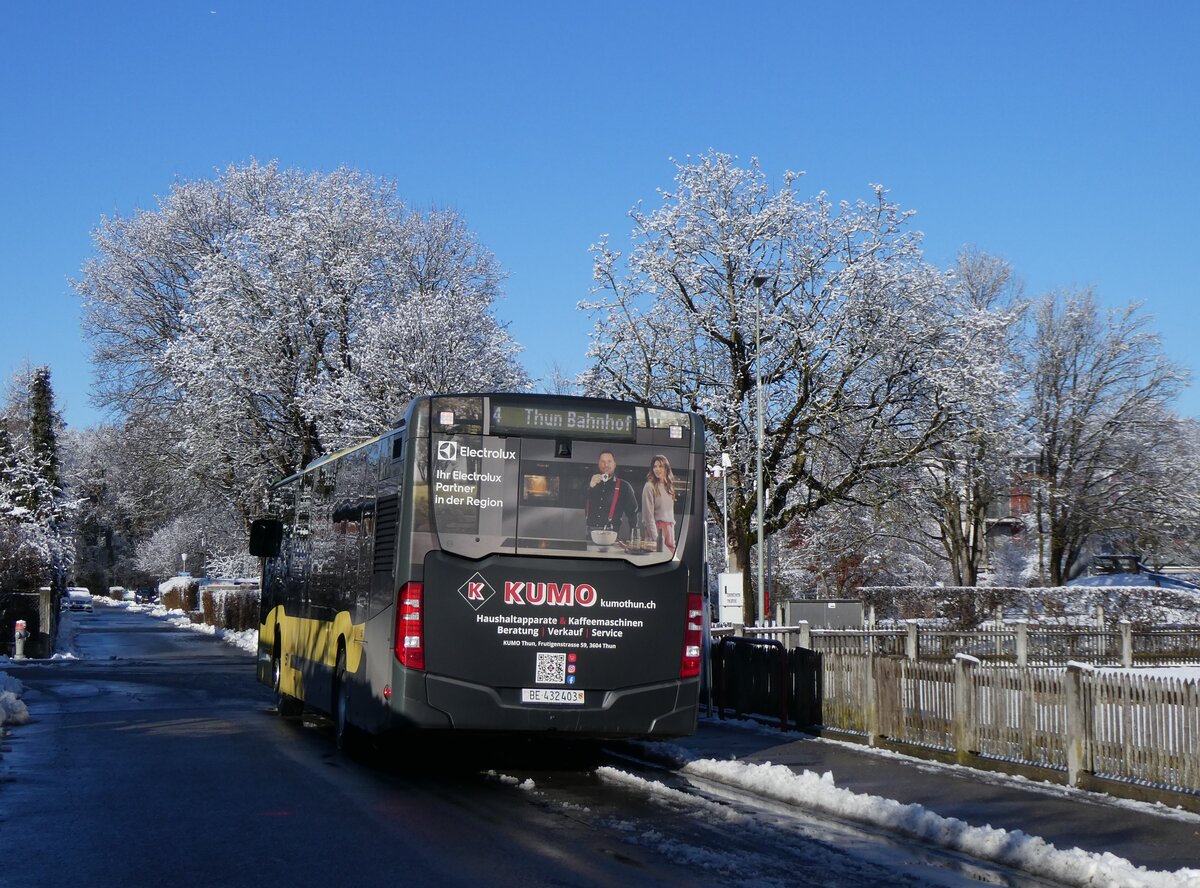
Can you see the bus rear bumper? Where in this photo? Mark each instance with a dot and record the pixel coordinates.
(662, 710)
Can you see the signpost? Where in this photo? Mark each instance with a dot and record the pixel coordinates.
(729, 602)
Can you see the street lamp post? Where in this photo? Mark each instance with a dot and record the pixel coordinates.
(726, 465)
(759, 280)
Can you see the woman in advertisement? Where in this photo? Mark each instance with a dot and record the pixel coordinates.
(658, 502)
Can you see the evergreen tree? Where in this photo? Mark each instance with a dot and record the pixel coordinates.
(35, 548)
(42, 422)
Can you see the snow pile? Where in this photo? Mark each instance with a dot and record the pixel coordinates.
(246, 639)
(12, 708)
(528, 785)
(176, 584)
(1011, 848)
(710, 809)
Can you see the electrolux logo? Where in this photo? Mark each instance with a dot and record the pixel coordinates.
(449, 451)
(476, 591)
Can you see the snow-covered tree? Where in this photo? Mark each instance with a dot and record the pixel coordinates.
(1100, 389)
(461, 348)
(246, 324)
(44, 422)
(860, 338)
(838, 550)
(1151, 494)
(123, 489)
(957, 482)
(1175, 537)
(211, 537)
(35, 547)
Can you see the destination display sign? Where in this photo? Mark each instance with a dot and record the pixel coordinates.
(608, 423)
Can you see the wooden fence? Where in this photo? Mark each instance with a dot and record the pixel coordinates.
(1095, 727)
(1019, 644)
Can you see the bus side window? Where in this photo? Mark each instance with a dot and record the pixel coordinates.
(325, 574)
(389, 496)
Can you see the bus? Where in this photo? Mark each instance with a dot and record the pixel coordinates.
(493, 563)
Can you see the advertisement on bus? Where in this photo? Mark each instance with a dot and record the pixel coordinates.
(572, 614)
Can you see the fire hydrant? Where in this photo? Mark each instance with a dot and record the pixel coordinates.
(19, 636)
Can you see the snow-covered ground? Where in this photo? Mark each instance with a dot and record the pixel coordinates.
(13, 710)
(819, 793)
(1013, 848)
(780, 784)
(246, 639)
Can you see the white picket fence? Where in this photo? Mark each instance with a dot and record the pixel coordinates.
(990, 694)
(1126, 727)
(1019, 644)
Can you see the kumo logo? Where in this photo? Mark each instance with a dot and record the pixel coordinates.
(476, 591)
(549, 594)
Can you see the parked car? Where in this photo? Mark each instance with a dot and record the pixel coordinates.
(78, 598)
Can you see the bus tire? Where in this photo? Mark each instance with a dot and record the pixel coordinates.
(288, 706)
(343, 732)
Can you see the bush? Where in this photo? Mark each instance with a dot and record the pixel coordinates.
(180, 593)
(230, 607)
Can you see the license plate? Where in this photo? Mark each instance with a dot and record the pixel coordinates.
(551, 695)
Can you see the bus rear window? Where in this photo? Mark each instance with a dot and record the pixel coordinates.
(504, 494)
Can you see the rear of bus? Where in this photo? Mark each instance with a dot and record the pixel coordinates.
(533, 595)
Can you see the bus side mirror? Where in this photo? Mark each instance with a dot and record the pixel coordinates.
(266, 535)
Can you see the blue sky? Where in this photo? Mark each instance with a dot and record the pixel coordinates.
(1062, 136)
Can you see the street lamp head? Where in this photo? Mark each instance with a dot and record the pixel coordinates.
(759, 279)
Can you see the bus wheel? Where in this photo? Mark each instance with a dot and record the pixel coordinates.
(342, 731)
(288, 706)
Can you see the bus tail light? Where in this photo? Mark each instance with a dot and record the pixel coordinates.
(410, 627)
(693, 637)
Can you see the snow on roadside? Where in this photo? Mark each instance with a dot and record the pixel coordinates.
(508, 780)
(246, 639)
(1008, 847)
(681, 755)
(12, 708)
(1013, 848)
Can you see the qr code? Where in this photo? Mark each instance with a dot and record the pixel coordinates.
(551, 669)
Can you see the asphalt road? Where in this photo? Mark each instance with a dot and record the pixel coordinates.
(156, 758)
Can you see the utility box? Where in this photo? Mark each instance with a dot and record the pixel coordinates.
(825, 613)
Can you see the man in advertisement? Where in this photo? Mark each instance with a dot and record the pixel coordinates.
(609, 497)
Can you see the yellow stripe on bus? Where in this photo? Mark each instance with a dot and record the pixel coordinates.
(316, 641)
